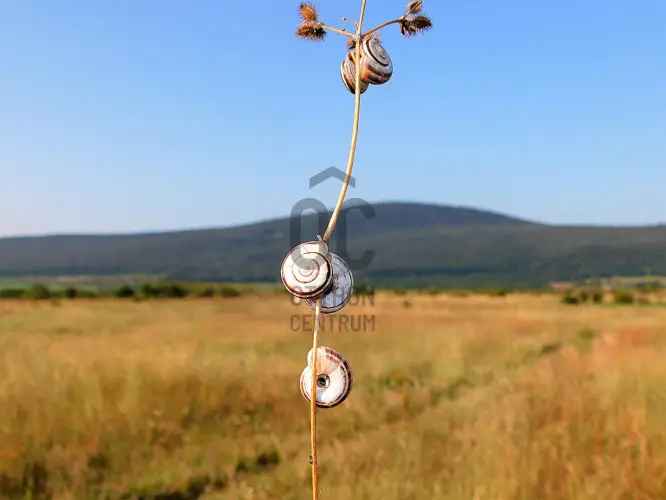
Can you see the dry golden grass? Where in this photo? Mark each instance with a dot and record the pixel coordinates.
(473, 397)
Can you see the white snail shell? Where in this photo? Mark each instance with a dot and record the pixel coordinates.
(338, 295)
(334, 378)
(376, 65)
(306, 270)
(348, 73)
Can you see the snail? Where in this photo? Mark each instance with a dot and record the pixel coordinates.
(334, 378)
(376, 65)
(348, 72)
(306, 270)
(340, 292)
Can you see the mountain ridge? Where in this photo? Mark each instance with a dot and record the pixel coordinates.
(411, 243)
(150, 232)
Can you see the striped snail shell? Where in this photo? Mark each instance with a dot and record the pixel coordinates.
(348, 73)
(306, 270)
(376, 65)
(334, 378)
(338, 295)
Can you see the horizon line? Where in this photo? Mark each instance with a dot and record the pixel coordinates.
(152, 232)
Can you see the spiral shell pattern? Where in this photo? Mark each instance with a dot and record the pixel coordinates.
(348, 73)
(342, 287)
(334, 378)
(306, 270)
(376, 64)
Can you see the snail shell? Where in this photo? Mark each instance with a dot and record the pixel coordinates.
(341, 290)
(348, 73)
(334, 378)
(306, 270)
(376, 65)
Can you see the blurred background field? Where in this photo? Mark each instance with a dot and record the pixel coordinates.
(457, 395)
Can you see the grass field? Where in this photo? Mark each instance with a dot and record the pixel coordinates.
(455, 397)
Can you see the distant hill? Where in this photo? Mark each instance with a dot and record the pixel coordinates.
(412, 243)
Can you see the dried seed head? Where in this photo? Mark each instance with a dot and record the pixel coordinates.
(414, 7)
(308, 11)
(422, 23)
(311, 30)
(411, 25)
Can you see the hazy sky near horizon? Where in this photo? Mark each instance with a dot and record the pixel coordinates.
(145, 115)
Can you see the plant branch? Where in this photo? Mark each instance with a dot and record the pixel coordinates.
(382, 26)
(313, 404)
(354, 140)
(327, 235)
(339, 31)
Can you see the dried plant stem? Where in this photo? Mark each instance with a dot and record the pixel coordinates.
(409, 26)
(339, 31)
(382, 26)
(327, 236)
(352, 149)
(313, 405)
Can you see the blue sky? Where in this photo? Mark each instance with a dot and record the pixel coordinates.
(145, 115)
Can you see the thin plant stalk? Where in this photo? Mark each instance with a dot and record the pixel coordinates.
(327, 236)
(358, 36)
(312, 29)
(352, 149)
(313, 405)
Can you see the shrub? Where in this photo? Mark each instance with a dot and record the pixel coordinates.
(598, 297)
(39, 292)
(624, 297)
(229, 292)
(71, 292)
(207, 292)
(570, 299)
(173, 291)
(581, 296)
(364, 289)
(124, 292)
(148, 290)
(12, 293)
(168, 290)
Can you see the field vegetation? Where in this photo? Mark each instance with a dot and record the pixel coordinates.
(456, 396)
